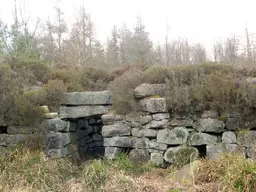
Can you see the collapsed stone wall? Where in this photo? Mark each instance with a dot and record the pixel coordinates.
(85, 127)
(154, 134)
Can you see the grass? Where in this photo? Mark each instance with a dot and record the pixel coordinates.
(29, 170)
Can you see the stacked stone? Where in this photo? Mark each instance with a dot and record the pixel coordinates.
(77, 129)
(162, 138)
(11, 135)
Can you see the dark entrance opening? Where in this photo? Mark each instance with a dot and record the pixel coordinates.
(202, 151)
(89, 137)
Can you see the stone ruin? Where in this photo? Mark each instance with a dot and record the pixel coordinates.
(87, 128)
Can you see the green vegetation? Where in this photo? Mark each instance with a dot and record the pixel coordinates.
(30, 170)
(200, 87)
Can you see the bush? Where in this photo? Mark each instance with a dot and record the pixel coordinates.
(230, 173)
(53, 93)
(123, 87)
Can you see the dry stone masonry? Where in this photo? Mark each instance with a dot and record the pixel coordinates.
(85, 127)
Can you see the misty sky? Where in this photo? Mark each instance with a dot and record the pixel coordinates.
(201, 21)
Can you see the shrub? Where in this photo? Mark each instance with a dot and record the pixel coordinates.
(231, 173)
(53, 93)
(24, 112)
(123, 87)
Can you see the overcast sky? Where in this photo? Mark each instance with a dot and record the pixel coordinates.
(199, 20)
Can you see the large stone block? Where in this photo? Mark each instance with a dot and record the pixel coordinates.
(18, 138)
(187, 122)
(198, 139)
(57, 125)
(156, 124)
(112, 152)
(251, 152)
(211, 125)
(146, 90)
(161, 116)
(126, 142)
(157, 146)
(139, 155)
(175, 136)
(229, 137)
(154, 105)
(137, 132)
(145, 119)
(58, 140)
(21, 129)
(82, 111)
(216, 150)
(88, 98)
(181, 155)
(4, 138)
(157, 159)
(246, 138)
(117, 129)
(111, 118)
(140, 143)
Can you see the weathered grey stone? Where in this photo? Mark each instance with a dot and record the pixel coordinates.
(210, 114)
(133, 117)
(146, 90)
(188, 122)
(126, 142)
(232, 123)
(176, 136)
(156, 124)
(57, 125)
(145, 119)
(246, 138)
(88, 98)
(137, 132)
(63, 152)
(140, 143)
(251, 152)
(118, 129)
(2, 122)
(157, 159)
(198, 139)
(17, 138)
(52, 115)
(139, 156)
(82, 111)
(229, 137)
(45, 109)
(111, 118)
(211, 125)
(96, 128)
(58, 140)
(97, 137)
(20, 129)
(181, 155)
(216, 150)
(136, 125)
(161, 116)
(154, 105)
(4, 139)
(112, 152)
(157, 146)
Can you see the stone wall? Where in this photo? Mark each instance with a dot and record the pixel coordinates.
(85, 127)
(154, 134)
(76, 130)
